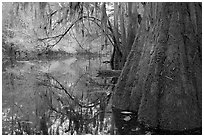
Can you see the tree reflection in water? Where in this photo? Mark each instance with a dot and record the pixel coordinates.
(59, 102)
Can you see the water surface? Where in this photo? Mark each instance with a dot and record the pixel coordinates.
(24, 93)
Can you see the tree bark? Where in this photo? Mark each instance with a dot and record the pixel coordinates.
(162, 77)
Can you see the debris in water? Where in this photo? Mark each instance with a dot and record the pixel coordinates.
(127, 118)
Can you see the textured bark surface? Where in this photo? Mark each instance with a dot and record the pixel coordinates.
(162, 78)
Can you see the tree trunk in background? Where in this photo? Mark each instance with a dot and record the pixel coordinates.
(117, 53)
(132, 24)
(162, 78)
(122, 28)
(127, 36)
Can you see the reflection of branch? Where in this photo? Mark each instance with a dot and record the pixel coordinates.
(55, 110)
(79, 79)
(50, 85)
(92, 104)
(75, 113)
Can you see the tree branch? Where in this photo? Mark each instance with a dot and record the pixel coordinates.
(60, 36)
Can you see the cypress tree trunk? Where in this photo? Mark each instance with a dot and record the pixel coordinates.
(162, 79)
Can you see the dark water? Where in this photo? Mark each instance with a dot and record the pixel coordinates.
(26, 97)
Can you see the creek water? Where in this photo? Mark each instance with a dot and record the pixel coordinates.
(23, 97)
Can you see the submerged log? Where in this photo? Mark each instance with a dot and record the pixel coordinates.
(108, 73)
